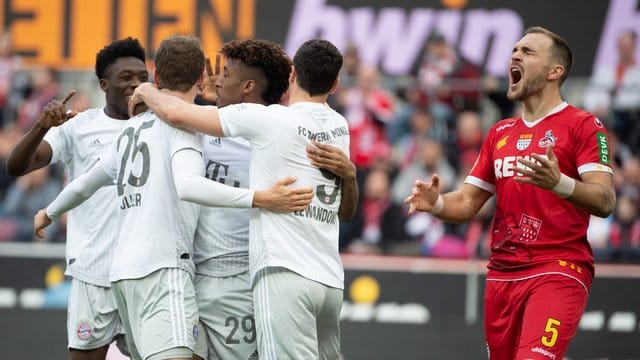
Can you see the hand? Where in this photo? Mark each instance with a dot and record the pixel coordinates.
(331, 158)
(40, 221)
(136, 98)
(424, 196)
(544, 172)
(55, 112)
(208, 89)
(281, 198)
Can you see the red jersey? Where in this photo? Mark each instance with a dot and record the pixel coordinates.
(535, 231)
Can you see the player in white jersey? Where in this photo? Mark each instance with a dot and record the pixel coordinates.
(255, 71)
(297, 275)
(92, 321)
(155, 166)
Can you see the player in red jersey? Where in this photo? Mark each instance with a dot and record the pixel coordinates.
(549, 169)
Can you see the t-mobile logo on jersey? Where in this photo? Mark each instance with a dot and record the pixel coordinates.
(218, 172)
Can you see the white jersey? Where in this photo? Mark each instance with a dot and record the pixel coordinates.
(156, 228)
(222, 237)
(91, 235)
(305, 242)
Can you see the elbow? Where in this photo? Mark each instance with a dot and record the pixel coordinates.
(347, 215)
(14, 169)
(183, 193)
(605, 211)
(607, 206)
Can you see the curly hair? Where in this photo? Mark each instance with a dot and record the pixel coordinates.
(267, 56)
(128, 47)
(317, 64)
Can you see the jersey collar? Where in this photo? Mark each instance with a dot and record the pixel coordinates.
(555, 110)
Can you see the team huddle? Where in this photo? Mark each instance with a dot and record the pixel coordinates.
(175, 264)
(211, 232)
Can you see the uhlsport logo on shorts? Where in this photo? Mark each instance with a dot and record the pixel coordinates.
(84, 331)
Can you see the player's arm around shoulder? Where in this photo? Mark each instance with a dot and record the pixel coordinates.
(331, 158)
(176, 111)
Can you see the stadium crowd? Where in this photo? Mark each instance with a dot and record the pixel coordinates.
(401, 129)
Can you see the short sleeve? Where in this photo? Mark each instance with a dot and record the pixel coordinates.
(108, 161)
(592, 147)
(58, 139)
(482, 174)
(244, 120)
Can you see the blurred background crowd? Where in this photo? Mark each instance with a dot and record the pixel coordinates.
(402, 129)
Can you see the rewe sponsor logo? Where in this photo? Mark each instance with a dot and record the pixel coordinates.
(505, 167)
(393, 38)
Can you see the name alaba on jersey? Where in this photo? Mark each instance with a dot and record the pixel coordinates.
(535, 231)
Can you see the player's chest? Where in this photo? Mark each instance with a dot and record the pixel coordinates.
(522, 143)
(92, 143)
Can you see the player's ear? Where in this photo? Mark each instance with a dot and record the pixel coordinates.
(155, 78)
(248, 86)
(334, 87)
(556, 72)
(292, 75)
(200, 81)
(104, 84)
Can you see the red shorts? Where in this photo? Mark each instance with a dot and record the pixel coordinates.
(535, 318)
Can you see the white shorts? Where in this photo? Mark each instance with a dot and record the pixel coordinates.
(225, 305)
(296, 318)
(159, 314)
(92, 316)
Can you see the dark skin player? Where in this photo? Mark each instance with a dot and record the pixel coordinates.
(121, 79)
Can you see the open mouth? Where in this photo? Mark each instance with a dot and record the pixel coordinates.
(515, 75)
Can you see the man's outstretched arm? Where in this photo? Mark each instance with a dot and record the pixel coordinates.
(176, 111)
(74, 194)
(191, 186)
(456, 206)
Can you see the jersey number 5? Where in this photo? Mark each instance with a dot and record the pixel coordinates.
(133, 148)
(552, 329)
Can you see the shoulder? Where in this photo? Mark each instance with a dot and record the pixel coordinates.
(85, 117)
(503, 125)
(576, 116)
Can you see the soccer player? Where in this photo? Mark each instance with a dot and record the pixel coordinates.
(296, 272)
(155, 166)
(549, 169)
(92, 319)
(255, 71)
